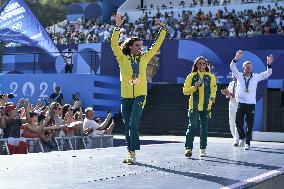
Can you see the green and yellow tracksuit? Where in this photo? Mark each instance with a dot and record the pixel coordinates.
(199, 105)
(133, 96)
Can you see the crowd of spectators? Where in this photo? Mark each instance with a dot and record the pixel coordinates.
(50, 118)
(180, 25)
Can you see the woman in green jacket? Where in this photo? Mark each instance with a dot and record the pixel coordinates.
(133, 63)
(200, 85)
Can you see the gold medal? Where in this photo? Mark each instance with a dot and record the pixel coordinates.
(131, 81)
(134, 81)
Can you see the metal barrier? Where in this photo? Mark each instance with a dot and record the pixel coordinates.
(22, 60)
(63, 143)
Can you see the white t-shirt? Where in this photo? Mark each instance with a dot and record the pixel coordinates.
(68, 58)
(91, 124)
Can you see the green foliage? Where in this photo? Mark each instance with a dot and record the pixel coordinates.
(51, 11)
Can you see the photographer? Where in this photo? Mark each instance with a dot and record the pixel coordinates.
(68, 61)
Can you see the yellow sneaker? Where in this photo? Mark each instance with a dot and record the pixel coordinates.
(130, 158)
(188, 153)
(202, 153)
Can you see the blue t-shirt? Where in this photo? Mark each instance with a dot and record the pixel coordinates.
(59, 99)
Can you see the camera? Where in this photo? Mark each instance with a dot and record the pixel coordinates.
(11, 95)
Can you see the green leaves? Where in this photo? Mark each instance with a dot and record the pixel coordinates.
(50, 12)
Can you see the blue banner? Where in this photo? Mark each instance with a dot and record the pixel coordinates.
(18, 24)
(100, 92)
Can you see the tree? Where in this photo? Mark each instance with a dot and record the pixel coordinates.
(51, 11)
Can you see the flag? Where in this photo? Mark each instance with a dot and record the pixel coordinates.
(18, 24)
(17, 146)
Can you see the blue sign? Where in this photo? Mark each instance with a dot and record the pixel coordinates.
(18, 24)
(100, 92)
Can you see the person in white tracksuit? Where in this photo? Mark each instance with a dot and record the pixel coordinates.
(229, 92)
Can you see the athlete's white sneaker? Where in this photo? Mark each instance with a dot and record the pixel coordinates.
(247, 147)
(241, 143)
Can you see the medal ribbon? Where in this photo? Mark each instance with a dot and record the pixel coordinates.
(247, 81)
(135, 66)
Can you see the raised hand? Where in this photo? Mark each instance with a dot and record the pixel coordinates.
(269, 59)
(109, 116)
(22, 101)
(239, 54)
(212, 100)
(225, 92)
(158, 22)
(118, 20)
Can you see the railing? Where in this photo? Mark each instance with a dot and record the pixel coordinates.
(35, 145)
(86, 61)
(213, 3)
(42, 62)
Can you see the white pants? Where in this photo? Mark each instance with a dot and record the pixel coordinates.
(232, 122)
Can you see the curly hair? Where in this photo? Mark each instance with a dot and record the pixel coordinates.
(127, 43)
(194, 67)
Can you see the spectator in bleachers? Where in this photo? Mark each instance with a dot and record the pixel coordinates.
(92, 128)
(57, 96)
(110, 124)
(76, 99)
(47, 135)
(31, 129)
(68, 119)
(12, 119)
(2, 121)
(55, 114)
(181, 24)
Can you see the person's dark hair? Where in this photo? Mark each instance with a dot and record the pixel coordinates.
(75, 96)
(77, 116)
(194, 67)
(32, 114)
(127, 43)
(41, 117)
(65, 110)
(51, 121)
